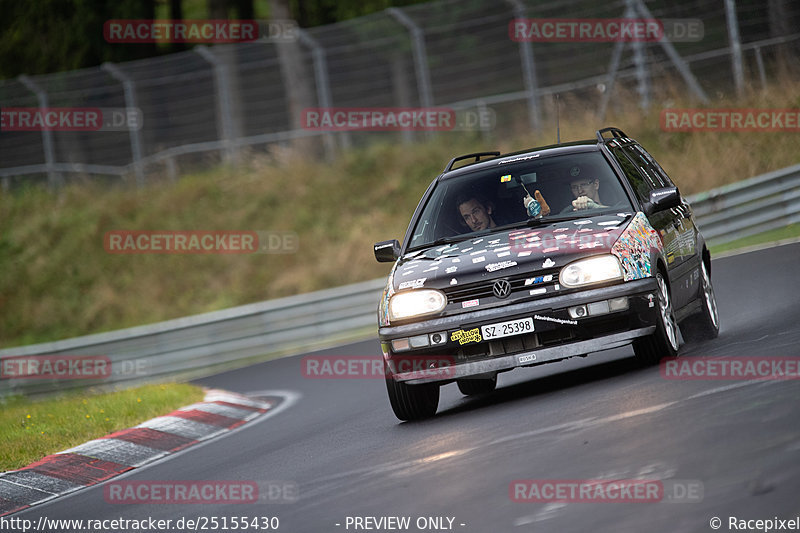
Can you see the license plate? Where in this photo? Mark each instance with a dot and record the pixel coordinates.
(507, 329)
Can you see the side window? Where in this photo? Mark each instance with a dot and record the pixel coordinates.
(645, 168)
(641, 186)
(664, 177)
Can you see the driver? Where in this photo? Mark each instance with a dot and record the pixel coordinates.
(587, 194)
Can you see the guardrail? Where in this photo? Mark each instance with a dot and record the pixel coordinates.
(236, 336)
(188, 345)
(748, 207)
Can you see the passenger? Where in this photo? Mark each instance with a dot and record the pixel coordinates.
(476, 212)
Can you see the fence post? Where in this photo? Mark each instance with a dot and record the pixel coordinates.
(640, 63)
(676, 58)
(420, 56)
(528, 72)
(223, 100)
(735, 45)
(53, 177)
(133, 131)
(323, 87)
(760, 64)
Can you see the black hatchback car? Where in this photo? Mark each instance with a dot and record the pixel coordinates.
(536, 256)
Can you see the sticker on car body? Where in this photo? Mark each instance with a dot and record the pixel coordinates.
(466, 336)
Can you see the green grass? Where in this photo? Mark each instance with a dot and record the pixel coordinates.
(57, 280)
(787, 232)
(30, 430)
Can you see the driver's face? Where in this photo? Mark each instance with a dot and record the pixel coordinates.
(475, 215)
(585, 187)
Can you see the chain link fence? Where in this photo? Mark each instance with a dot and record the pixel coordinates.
(209, 104)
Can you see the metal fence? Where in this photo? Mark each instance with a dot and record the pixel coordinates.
(233, 337)
(209, 104)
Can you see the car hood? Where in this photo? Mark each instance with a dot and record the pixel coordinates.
(543, 248)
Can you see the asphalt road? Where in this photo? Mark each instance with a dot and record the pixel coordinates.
(720, 448)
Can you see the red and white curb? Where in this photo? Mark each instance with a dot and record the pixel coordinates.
(101, 459)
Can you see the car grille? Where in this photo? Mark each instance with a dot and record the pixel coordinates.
(483, 289)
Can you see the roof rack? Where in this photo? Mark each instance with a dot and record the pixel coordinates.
(476, 155)
(615, 133)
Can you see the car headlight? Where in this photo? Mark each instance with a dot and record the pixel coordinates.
(592, 270)
(415, 303)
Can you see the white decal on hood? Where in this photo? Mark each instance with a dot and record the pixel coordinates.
(412, 284)
(491, 267)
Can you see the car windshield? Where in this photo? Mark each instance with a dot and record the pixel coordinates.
(492, 199)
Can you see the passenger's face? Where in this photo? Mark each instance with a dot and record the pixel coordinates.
(475, 215)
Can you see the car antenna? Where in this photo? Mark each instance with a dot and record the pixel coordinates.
(558, 126)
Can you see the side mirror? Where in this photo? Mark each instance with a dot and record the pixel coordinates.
(387, 251)
(663, 199)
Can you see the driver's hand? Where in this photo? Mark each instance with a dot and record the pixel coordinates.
(583, 202)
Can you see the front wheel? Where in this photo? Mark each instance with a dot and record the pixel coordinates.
(663, 342)
(412, 402)
(704, 325)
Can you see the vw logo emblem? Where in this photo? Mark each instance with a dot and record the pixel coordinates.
(501, 288)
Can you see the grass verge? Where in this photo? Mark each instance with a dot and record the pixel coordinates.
(59, 282)
(34, 429)
(791, 231)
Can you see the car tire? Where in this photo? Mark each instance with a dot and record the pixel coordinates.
(704, 325)
(412, 402)
(475, 386)
(663, 342)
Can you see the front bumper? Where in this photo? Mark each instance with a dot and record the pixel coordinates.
(556, 335)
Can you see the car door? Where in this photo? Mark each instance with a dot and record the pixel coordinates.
(683, 250)
(666, 223)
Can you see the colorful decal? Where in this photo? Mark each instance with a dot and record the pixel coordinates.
(506, 178)
(470, 303)
(538, 279)
(466, 336)
(634, 246)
